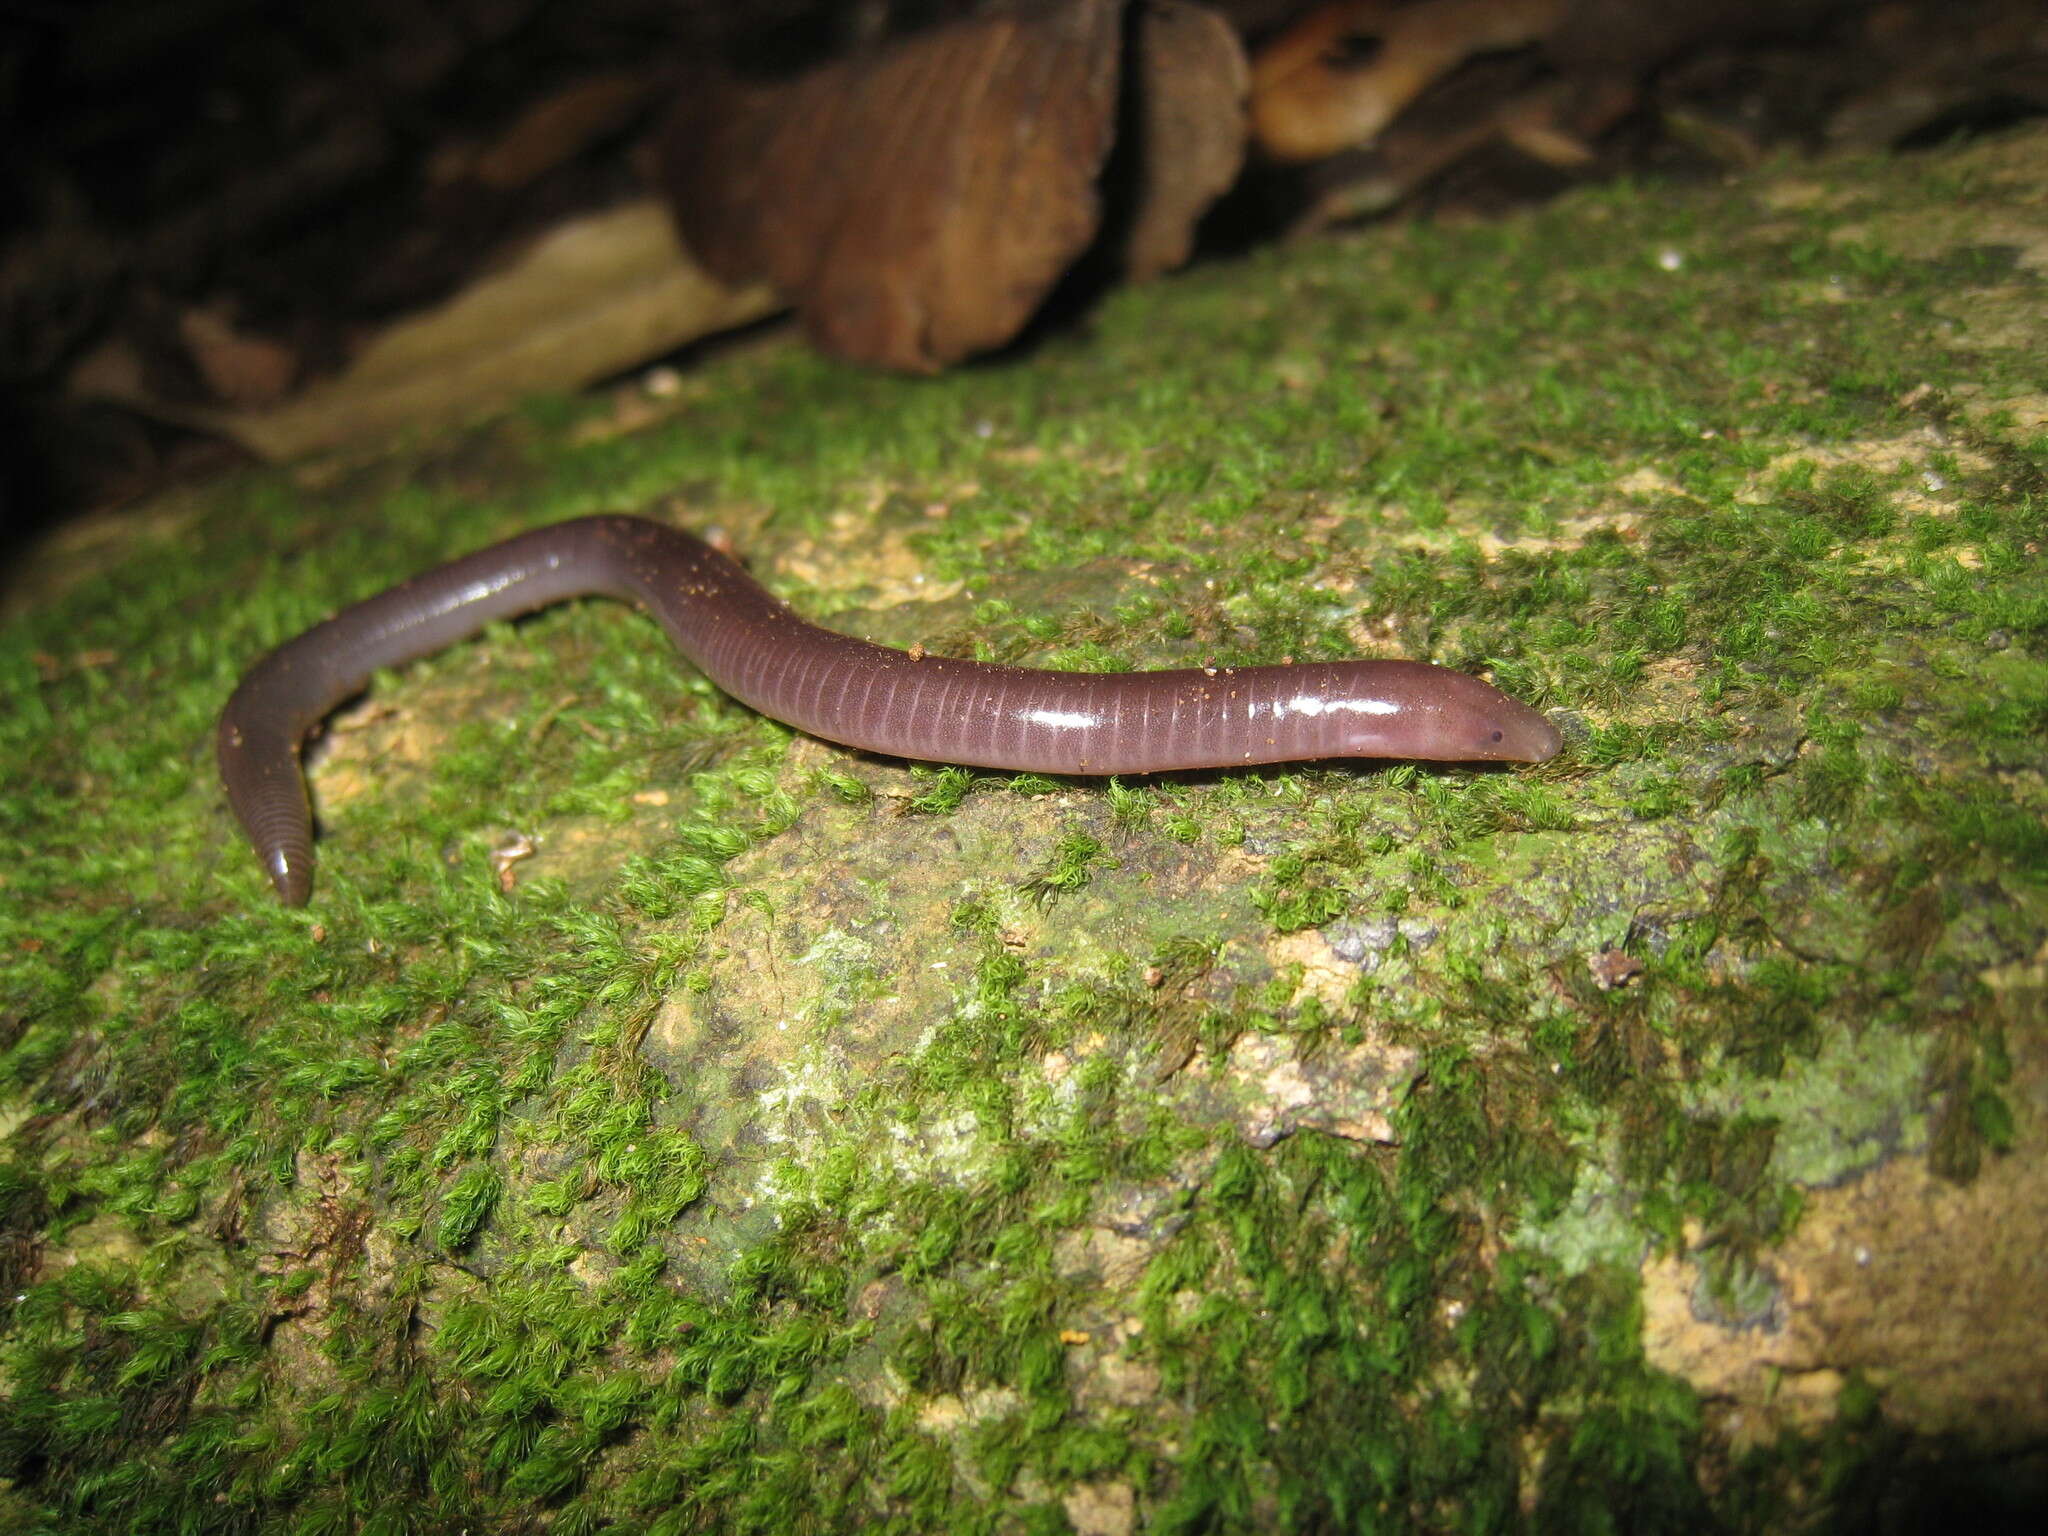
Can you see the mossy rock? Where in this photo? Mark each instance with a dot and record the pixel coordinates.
(802, 1141)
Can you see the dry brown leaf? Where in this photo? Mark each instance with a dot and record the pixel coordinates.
(917, 203)
(589, 299)
(1337, 77)
(1191, 82)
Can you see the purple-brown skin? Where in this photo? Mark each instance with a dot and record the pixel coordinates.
(931, 708)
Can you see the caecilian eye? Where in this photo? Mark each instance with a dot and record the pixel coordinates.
(1496, 735)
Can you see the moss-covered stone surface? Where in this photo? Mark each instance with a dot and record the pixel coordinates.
(797, 1141)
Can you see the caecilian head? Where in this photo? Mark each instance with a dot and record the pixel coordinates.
(1505, 730)
(1411, 709)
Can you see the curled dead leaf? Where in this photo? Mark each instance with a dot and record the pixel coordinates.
(1337, 77)
(1191, 80)
(917, 203)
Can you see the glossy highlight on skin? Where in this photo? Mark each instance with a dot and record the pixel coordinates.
(901, 703)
